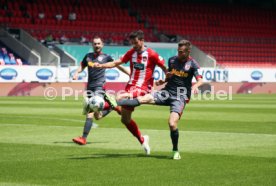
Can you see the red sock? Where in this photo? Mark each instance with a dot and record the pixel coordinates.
(133, 128)
(118, 109)
(106, 106)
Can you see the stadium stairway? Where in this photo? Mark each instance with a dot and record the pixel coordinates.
(24, 88)
(248, 87)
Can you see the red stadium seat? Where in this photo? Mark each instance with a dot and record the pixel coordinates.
(230, 33)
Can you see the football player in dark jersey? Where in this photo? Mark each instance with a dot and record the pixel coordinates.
(177, 91)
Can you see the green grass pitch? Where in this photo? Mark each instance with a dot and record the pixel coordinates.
(221, 143)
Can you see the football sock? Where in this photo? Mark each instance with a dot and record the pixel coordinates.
(118, 110)
(106, 112)
(129, 102)
(174, 137)
(87, 127)
(133, 128)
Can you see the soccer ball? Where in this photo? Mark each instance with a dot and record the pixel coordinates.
(96, 103)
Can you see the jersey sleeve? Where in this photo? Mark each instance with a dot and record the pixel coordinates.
(84, 62)
(169, 65)
(195, 67)
(109, 58)
(127, 56)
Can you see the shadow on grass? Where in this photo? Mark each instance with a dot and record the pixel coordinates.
(108, 156)
(71, 142)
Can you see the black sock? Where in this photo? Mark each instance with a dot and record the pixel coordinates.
(128, 102)
(106, 112)
(174, 137)
(87, 127)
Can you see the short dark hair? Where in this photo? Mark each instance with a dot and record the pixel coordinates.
(186, 43)
(137, 34)
(96, 37)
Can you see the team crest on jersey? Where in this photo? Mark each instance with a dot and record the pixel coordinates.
(187, 67)
(100, 58)
(145, 59)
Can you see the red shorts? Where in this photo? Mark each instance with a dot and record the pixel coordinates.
(135, 92)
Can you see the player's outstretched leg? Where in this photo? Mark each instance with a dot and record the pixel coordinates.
(129, 102)
(106, 112)
(133, 128)
(110, 100)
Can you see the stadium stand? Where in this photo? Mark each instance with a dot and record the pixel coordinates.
(239, 36)
(235, 35)
(9, 58)
(107, 18)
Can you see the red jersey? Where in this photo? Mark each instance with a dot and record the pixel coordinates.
(142, 66)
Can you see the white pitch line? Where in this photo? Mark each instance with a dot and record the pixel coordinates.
(153, 130)
(38, 117)
(95, 125)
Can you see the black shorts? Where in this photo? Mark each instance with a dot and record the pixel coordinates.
(177, 104)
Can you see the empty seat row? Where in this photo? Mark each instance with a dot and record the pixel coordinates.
(229, 33)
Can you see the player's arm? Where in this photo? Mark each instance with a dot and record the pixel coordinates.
(109, 64)
(163, 67)
(124, 70)
(121, 68)
(198, 83)
(116, 62)
(168, 74)
(198, 77)
(79, 70)
(161, 81)
(161, 63)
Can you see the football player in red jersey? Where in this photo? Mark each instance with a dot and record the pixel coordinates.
(142, 60)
